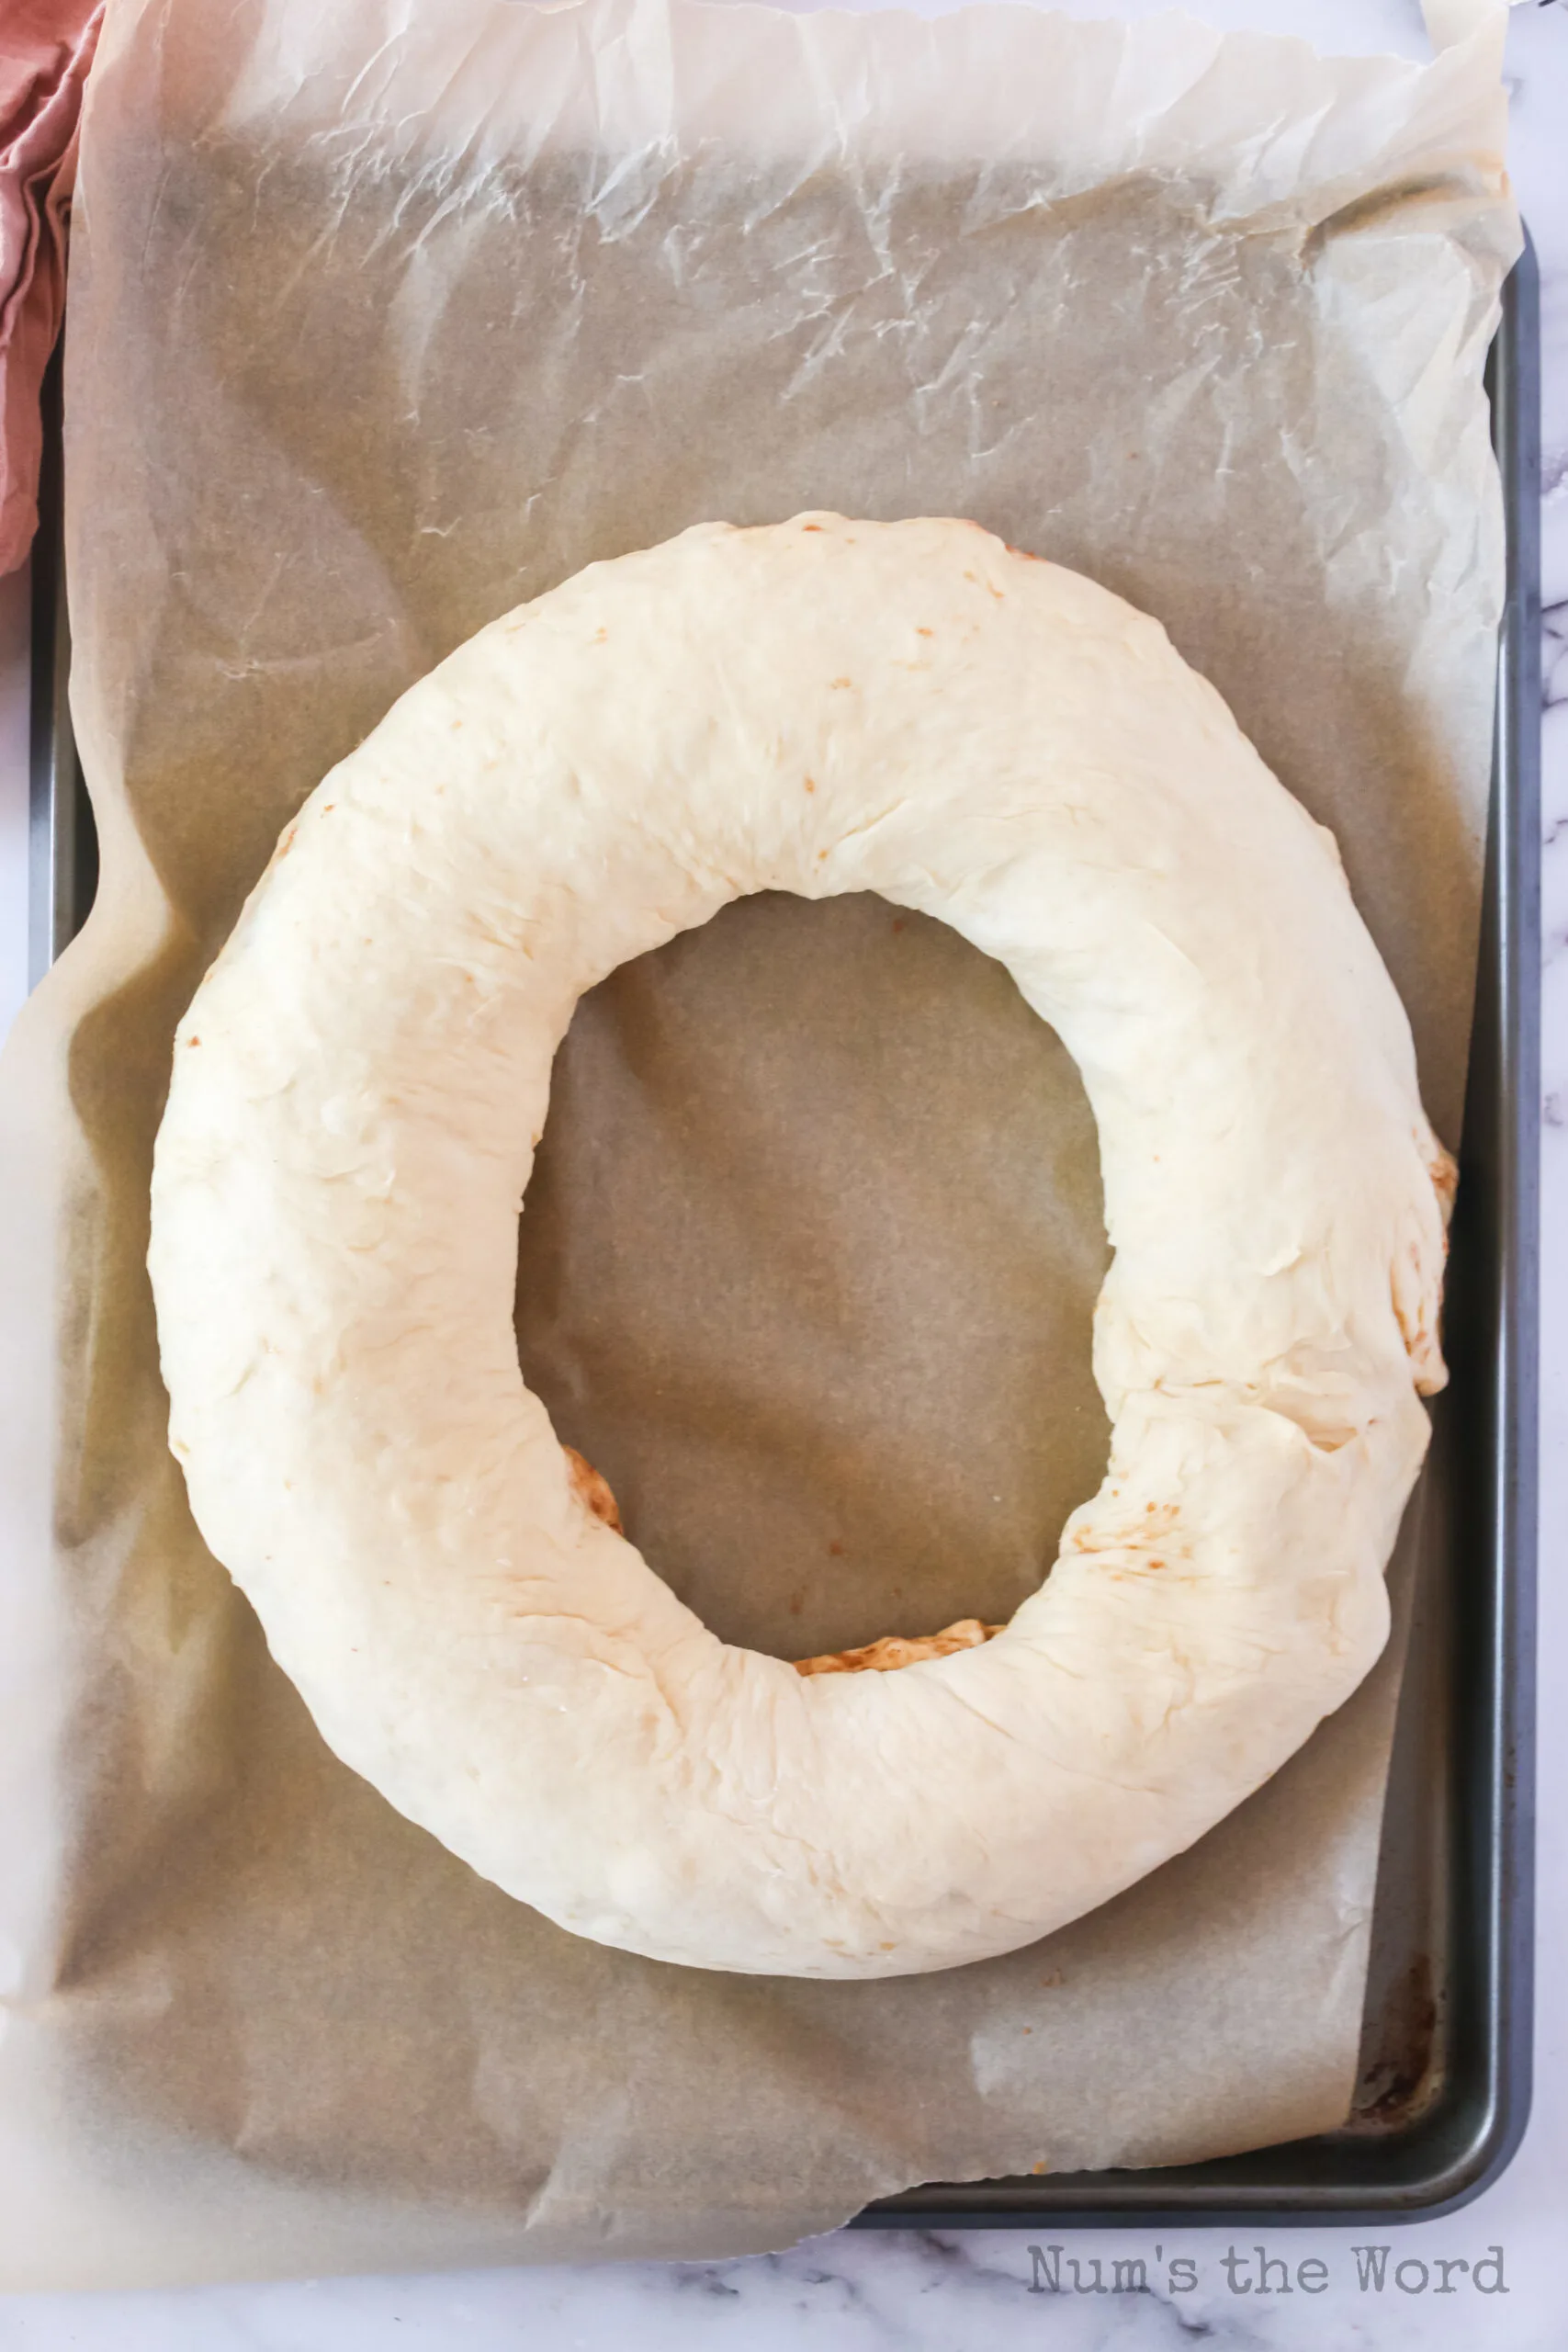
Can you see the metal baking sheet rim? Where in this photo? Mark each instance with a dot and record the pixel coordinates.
(1456, 2146)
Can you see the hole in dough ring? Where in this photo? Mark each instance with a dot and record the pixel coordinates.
(817, 706)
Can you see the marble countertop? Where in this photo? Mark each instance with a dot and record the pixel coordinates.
(1487, 2277)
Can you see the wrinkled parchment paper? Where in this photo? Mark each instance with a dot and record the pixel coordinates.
(382, 319)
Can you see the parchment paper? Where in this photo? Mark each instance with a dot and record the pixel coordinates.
(383, 319)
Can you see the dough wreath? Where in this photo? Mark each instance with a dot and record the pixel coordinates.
(359, 1087)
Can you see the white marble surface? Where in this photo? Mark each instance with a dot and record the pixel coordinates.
(862, 2293)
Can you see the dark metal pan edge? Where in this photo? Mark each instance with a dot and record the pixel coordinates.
(62, 843)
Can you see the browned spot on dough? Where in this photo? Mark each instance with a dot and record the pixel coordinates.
(193, 1041)
(812, 526)
(895, 1650)
(840, 682)
(591, 1491)
(923, 632)
(811, 783)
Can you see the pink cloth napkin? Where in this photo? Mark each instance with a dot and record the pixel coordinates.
(46, 46)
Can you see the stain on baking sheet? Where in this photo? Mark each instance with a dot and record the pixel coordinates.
(1401, 2075)
(806, 1270)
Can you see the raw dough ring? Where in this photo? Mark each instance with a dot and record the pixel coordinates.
(359, 1087)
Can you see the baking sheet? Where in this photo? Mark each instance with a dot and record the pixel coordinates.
(378, 327)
